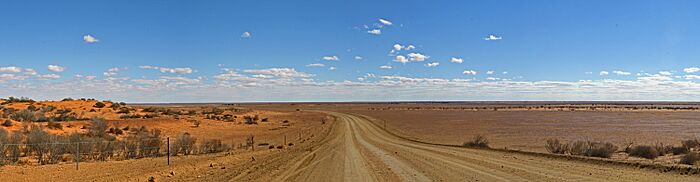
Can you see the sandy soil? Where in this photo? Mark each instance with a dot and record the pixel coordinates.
(353, 149)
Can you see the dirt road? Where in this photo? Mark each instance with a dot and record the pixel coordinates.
(353, 149)
(358, 150)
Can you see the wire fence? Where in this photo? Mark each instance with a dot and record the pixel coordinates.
(66, 150)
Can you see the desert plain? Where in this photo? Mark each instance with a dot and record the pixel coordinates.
(398, 141)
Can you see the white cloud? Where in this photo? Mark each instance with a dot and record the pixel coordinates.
(604, 73)
(469, 72)
(492, 78)
(457, 60)
(434, 64)
(691, 69)
(358, 57)
(690, 77)
(6, 76)
(417, 57)
(56, 68)
(505, 73)
(490, 72)
(262, 76)
(115, 69)
(385, 22)
(398, 47)
(246, 35)
(332, 68)
(11, 69)
(29, 71)
(90, 39)
(493, 37)
(655, 77)
(169, 70)
(315, 65)
(375, 31)
(331, 58)
(385, 67)
(618, 72)
(49, 77)
(109, 74)
(666, 73)
(281, 72)
(401, 59)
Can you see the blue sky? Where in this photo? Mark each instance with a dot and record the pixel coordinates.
(196, 51)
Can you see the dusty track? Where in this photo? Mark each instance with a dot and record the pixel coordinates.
(358, 150)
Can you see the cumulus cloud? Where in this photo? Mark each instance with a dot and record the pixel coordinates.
(359, 58)
(385, 67)
(29, 71)
(691, 70)
(666, 73)
(169, 70)
(457, 60)
(332, 68)
(90, 39)
(399, 47)
(618, 72)
(56, 68)
(281, 72)
(5, 76)
(246, 35)
(11, 69)
(109, 74)
(331, 58)
(492, 37)
(401, 59)
(469, 72)
(417, 57)
(315, 65)
(48, 77)
(434, 64)
(691, 77)
(374, 31)
(604, 73)
(490, 72)
(262, 76)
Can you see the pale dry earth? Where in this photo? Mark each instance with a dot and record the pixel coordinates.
(354, 149)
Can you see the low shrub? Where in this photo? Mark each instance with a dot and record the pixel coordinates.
(676, 150)
(479, 141)
(591, 149)
(601, 149)
(690, 158)
(98, 126)
(691, 144)
(213, 146)
(24, 115)
(7, 123)
(556, 147)
(644, 151)
(663, 149)
(54, 125)
(99, 105)
(184, 144)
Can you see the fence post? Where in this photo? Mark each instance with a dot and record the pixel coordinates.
(77, 155)
(285, 141)
(168, 151)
